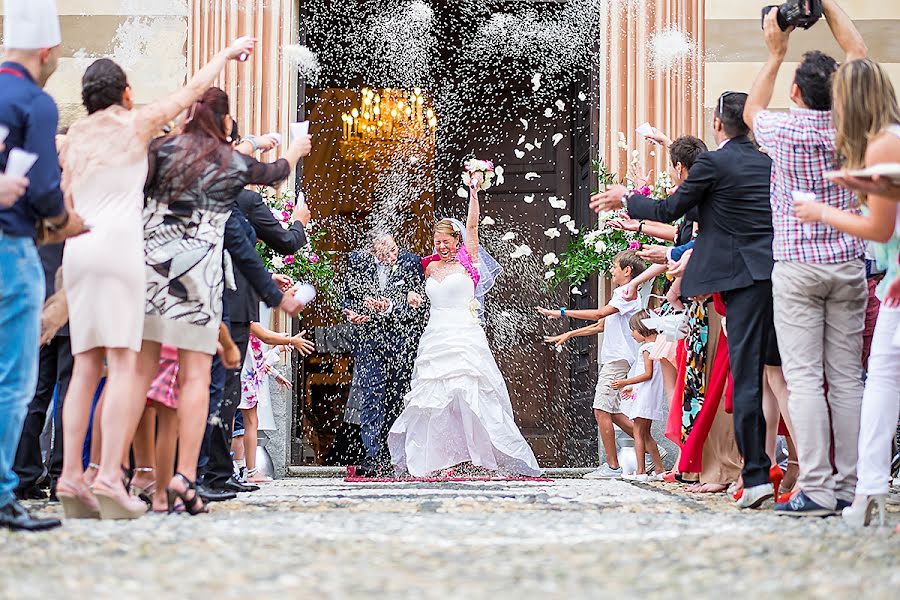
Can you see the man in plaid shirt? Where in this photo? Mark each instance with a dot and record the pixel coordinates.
(819, 280)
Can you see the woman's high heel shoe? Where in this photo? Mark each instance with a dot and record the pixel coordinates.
(78, 507)
(859, 514)
(194, 504)
(145, 493)
(112, 508)
(776, 475)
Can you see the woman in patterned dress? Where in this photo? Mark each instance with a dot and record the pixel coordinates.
(193, 181)
(104, 159)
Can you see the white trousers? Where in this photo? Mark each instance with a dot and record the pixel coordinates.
(880, 407)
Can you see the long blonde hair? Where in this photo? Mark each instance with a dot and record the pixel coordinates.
(864, 104)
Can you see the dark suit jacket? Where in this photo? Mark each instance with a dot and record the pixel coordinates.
(730, 189)
(243, 303)
(239, 240)
(406, 275)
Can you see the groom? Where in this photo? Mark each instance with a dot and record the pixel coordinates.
(375, 300)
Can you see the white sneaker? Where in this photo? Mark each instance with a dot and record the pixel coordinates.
(753, 497)
(605, 472)
(636, 477)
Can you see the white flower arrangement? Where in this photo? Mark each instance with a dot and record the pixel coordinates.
(489, 173)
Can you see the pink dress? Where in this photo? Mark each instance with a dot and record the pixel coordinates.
(164, 388)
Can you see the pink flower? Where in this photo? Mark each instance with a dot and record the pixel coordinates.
(313, 258)
(634, 246)
(285, 216)
(288, 205)
(645, 191)
(288, 260)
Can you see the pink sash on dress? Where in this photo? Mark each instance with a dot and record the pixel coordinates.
(464, 258)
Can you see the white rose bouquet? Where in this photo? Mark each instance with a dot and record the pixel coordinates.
(481, 174)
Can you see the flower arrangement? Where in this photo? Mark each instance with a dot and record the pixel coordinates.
(307, 265)
(592, 252)
(487, 170)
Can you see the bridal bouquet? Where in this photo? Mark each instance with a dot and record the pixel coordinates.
(487, 170)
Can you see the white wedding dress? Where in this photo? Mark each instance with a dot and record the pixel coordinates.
(458, 410)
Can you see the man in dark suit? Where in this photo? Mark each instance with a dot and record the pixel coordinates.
(376, 299)
(732, 255)
(243, 309)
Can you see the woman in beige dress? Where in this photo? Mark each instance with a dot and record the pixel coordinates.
(104, 160)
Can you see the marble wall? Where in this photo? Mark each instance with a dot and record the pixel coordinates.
(735, 49)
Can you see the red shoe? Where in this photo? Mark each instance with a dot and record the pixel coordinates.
(670, 477)
(775, 476)
(738, 494)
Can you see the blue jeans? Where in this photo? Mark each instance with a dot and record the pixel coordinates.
(21, 299)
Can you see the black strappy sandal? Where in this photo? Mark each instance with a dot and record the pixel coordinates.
(193, 505)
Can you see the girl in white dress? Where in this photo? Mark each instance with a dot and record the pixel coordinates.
(647, 397)
(458, 410)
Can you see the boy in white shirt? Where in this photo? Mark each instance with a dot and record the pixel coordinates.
(619, 351)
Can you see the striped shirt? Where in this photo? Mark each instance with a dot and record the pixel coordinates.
(802, 147)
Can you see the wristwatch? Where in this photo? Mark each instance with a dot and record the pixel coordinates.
(562, 311)
(625, 201)
(641, 226)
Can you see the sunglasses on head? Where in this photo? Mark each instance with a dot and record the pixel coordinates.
(722, 101)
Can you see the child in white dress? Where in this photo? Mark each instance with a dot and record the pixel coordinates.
(644, 395)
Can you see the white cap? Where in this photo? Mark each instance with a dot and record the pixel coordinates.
(30, 24)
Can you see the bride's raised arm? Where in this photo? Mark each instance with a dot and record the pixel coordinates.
(472, 224)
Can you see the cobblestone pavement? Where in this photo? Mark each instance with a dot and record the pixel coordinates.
(323, 538)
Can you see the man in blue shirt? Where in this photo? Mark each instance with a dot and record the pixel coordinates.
(32, 38)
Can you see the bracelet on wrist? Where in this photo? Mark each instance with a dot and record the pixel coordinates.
(251, 139)
(640, 228)
(562, 311)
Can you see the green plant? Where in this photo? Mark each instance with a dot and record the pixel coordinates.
(307, 265)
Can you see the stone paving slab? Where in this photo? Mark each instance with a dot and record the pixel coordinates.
(324, 538)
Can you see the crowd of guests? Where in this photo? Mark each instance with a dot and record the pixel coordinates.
(146, 326)
(773, 267)
(135, 310)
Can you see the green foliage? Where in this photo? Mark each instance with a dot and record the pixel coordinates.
(307, 265)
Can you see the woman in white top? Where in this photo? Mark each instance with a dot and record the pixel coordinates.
(867, 118)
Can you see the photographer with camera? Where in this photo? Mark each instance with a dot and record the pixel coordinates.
(819, 279)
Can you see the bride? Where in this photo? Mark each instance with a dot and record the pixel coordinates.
(458, 410)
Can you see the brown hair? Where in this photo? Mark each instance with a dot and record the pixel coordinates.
(447, 227)
(627, 258)
(636, 323)
(102, 86)
(202, 141)
(864, 104)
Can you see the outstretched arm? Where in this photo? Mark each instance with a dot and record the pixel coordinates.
(591, 314)
(472, 224)
(559, 340)
(844, 31)
(764, 86)
(155, 115)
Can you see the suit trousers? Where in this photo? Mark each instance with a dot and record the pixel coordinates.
(820, 314)
(749, 323)
(219, 468)
(55, 367)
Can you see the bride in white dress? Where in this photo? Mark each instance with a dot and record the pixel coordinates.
(458, 410)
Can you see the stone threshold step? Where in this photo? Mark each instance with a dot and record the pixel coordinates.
(341, 472)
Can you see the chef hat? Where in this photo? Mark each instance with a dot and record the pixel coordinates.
(30, 24)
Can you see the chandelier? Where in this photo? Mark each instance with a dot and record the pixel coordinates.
(390, 117)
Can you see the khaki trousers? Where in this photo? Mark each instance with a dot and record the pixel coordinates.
(820, 315)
